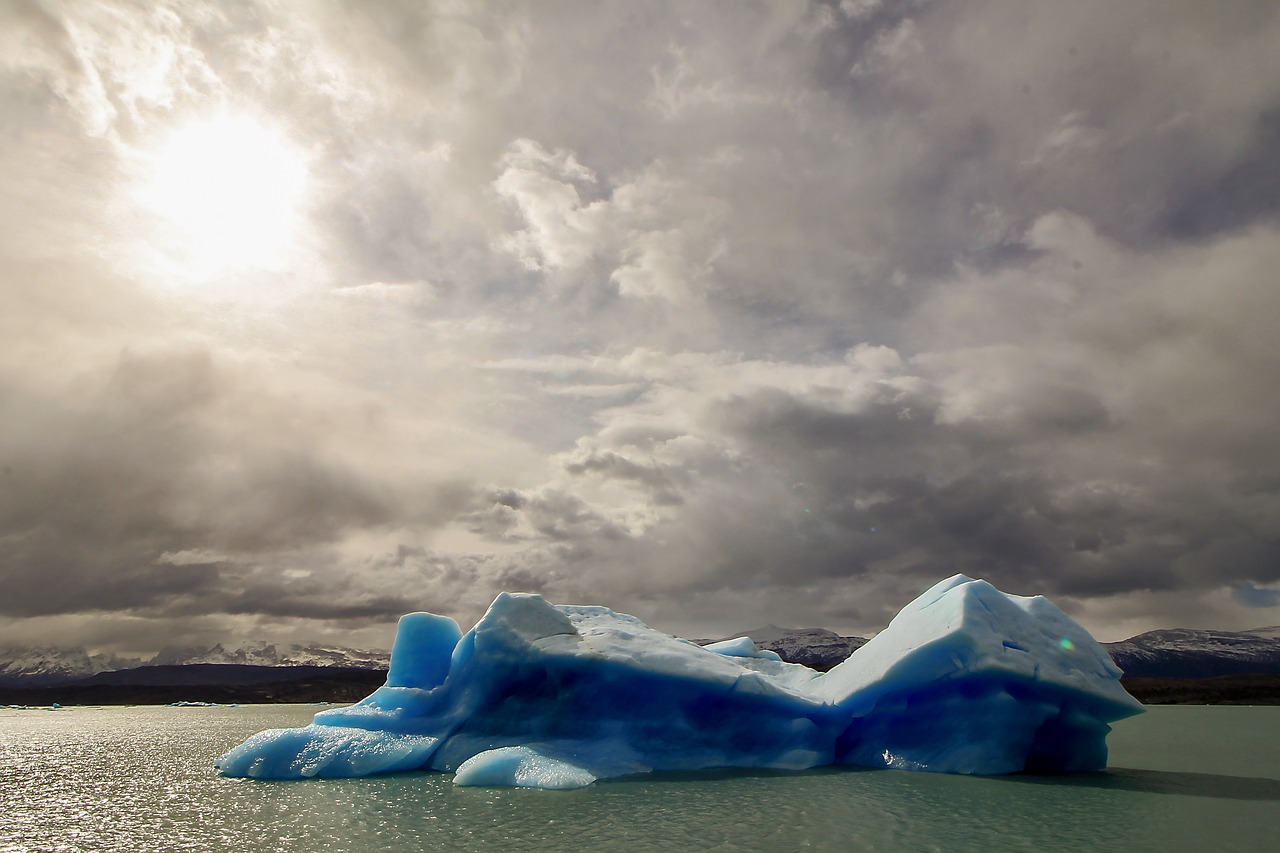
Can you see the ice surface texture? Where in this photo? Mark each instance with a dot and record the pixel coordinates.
(966, 679)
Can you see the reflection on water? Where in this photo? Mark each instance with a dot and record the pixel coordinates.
(142, 779)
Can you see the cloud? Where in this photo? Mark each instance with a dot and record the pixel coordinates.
(659, 236)
(546, 187)
(725, 314)
(192, 557)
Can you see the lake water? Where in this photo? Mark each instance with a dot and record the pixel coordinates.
(141, 779)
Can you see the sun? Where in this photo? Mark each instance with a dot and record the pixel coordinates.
(227, 193)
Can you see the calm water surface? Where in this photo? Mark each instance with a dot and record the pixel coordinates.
(142, 778)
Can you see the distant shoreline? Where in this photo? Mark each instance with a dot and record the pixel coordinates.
(343, 685)
(1252, 689)
(351, 685)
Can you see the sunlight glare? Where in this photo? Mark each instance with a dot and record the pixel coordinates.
(229, 192)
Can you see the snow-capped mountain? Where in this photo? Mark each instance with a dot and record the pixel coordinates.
(1169, 653)
(1194, 653)
(814, 647)
(257, 653)
(49, 664)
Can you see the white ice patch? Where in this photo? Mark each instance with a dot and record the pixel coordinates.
(741, 647)
(520, 767)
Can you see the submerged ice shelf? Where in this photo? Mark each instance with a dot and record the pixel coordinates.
(966, 679)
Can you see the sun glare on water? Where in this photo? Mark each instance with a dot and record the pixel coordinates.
(228, 193)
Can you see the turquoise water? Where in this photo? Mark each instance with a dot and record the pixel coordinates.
(141, 779)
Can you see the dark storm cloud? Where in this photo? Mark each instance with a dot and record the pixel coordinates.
(1242, 192)
(987, 502)
(662, 484)
(547, 514)
(1128, 115)
(163, 457)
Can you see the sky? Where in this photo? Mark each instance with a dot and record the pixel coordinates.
(716, 313)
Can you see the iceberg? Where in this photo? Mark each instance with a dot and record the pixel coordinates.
(966, 679)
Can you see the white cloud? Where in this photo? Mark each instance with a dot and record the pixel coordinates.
(562, 231)
(192, 557)
(401, 292)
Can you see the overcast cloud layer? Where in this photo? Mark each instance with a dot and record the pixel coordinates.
(715, 313)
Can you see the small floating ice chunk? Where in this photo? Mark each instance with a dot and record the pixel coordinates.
(741, 647)
(520, 767)
(331, 752)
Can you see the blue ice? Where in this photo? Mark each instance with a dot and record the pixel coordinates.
(966, 679)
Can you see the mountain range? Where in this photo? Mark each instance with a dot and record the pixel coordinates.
(817, 648)
(1169, 653)
(33, 665)
(1192, 653)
